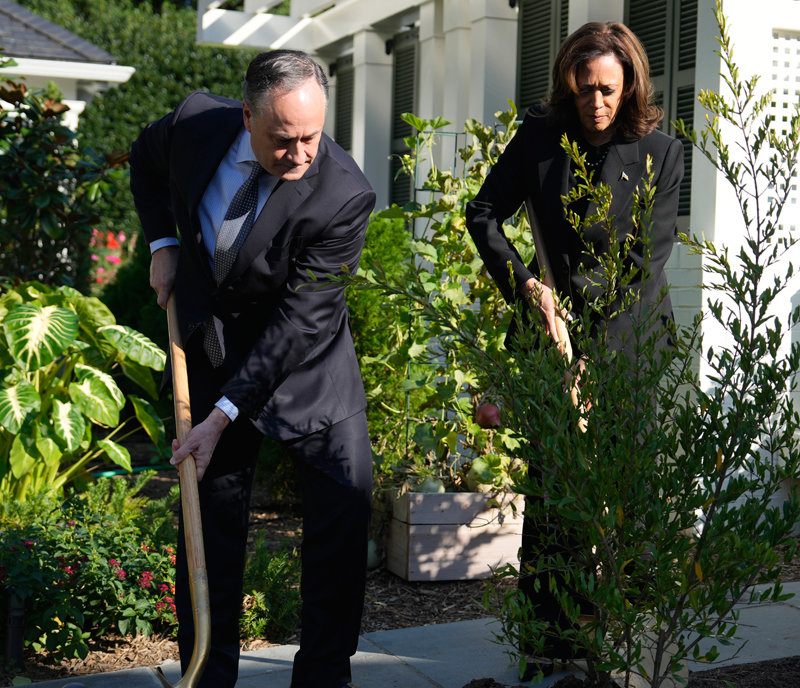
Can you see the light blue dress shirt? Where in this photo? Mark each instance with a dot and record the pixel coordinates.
(232, 172)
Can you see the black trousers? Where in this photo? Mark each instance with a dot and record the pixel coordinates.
(335, 470)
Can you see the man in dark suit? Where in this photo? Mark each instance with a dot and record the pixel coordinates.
(268, 209)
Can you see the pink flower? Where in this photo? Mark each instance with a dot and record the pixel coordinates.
(145, 580)
(113, 562)
(95, 256)
(120, 573)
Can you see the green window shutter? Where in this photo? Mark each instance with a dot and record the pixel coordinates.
(404, 81)
(543, 25)
(345, 85)
(668, 32)
(685, 110)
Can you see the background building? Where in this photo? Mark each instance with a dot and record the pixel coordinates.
(466, 58)
(46, 52)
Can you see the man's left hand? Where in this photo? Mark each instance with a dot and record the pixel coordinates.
(201, 442)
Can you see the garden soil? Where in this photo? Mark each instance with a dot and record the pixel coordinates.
(391, 603)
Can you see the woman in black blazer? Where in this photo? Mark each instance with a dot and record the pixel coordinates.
(602, 98)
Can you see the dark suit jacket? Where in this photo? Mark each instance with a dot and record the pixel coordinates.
(534, 165)
(290, 360)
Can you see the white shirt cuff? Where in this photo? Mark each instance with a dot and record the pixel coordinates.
(228, 408)
(161, 243)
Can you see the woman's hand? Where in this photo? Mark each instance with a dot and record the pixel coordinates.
(542, 301)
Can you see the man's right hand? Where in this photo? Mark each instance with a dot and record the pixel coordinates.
(163, 264)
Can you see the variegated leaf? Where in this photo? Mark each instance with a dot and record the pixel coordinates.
(135, 346)
(38, 335)
(16, 404)
(68, 424)
(117, 453)
(97, 395)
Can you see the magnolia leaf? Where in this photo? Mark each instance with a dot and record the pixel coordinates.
(21, 457)
(149, 419)
(97, 395)
(135, 346)
(68, 424)
(117, 453)
(38, 335)
(16, 404)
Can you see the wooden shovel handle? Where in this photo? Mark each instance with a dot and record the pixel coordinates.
(190, 503)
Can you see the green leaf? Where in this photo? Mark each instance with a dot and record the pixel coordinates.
(16, 404)
(416, 122)
(49, 451)
(97, 395)
(37, 336)
(135, 346)
(22, 458)
(141, 375)
(149, 419)
(117, 453)
(68, 423)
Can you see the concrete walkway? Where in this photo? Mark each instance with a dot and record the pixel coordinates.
(452, 655)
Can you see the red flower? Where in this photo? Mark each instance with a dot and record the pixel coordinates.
(145, 580)
(120, 573)
(112, 241)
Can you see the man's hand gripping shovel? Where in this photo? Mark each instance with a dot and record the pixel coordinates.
(192, 525)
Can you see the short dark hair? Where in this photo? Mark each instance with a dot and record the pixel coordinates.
(279, 71)
(638, 115)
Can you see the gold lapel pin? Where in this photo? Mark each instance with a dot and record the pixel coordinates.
(624, 176)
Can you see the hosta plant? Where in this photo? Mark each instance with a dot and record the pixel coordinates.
(62, 356)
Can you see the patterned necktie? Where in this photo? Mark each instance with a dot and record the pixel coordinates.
(237, 224)
(234, 230)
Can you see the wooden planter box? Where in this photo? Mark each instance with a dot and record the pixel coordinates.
(453, 535)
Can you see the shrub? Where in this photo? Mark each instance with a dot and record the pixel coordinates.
(98, 561)
(271, 607)
(49, 191)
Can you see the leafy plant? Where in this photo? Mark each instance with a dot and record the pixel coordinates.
(97, 561)
(433, 436)
(271, 608)
(60, 404)
(48, 190)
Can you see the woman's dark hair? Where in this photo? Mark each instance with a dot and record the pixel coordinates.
(279, 71)
(638, 115)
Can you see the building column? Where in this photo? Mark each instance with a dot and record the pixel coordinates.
(372, 106)
(493, 72)
(431, 64)
(457, 60)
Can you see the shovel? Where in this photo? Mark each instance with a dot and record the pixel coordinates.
(562, 333)
(192, 526)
